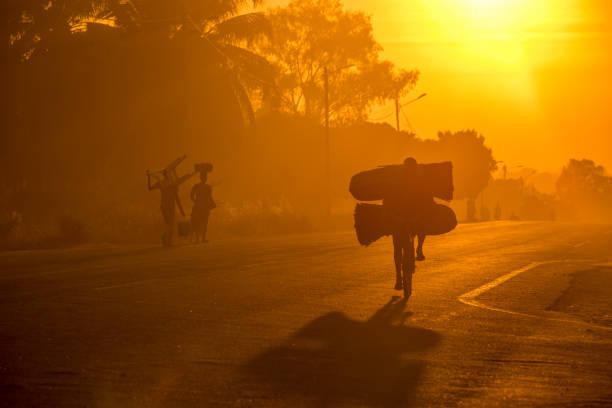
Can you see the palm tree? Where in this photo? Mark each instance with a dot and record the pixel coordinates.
(221, 33)
(125, 82)
(36, 26)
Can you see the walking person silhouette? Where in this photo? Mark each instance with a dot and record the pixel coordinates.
(168, 186)
(203, 203)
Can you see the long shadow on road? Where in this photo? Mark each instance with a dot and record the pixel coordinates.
(334, 359)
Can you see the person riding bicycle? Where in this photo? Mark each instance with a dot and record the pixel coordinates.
(407, 208)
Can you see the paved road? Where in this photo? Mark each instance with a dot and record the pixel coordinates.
(503, 314)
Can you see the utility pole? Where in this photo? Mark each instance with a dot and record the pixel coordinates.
(327, 139)
(327, 147)
(397, 114)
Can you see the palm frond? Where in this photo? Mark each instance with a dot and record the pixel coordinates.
(248, 64)
(246, 108)
(126, 13)
(245, 27)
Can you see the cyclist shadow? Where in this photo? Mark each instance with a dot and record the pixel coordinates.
(334, 359)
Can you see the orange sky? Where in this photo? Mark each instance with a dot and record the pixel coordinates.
(533, 76)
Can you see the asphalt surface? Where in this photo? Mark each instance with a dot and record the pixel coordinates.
(503, 314)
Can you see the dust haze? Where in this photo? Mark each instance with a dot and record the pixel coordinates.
(185, 185)
(101, 92)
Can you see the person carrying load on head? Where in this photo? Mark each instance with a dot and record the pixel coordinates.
(203, 203)
(168, 183)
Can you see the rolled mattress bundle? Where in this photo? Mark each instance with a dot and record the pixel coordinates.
(373, 185)
(371, 221)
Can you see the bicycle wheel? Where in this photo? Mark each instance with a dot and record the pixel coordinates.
(408, 268)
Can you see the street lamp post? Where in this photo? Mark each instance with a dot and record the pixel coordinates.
(397, 108)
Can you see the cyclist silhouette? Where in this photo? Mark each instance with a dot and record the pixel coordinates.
(409, 211)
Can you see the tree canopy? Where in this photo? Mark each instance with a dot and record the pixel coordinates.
(36, 27)
(99, 90)
(311, 36)
(583, 177)
(585, 190)
(473, 162)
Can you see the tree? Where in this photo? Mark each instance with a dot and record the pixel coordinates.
(311, 36)
(223, 35)
(37, 26)
(473, 163)
(585, 190)
(583, 177)
(100, 89)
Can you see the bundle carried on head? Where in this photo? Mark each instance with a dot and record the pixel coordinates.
(203, 167)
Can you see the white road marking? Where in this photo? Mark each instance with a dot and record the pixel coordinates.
(478, 291)
(581, 244)
(123, 285)
(469, 297)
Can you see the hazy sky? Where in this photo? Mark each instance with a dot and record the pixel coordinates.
(533, 76)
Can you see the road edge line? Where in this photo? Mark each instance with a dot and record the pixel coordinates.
(469, 297)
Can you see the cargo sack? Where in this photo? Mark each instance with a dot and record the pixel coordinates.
(441, 219)
(372, 222)
(373, 185)
(369, 223)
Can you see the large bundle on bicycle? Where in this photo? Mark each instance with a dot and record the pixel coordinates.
(370, 223)
(374, 185)
(371, 220)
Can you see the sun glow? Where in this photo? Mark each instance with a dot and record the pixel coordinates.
(489, 38)
(488, 4)
(494, 17)
(532, 75)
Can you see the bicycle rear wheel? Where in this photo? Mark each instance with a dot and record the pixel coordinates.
(407, 281)
(408, 268)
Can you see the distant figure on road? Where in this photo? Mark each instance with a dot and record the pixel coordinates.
(203, 203)
(168, 185)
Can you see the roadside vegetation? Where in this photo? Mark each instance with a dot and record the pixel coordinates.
(98, 91)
